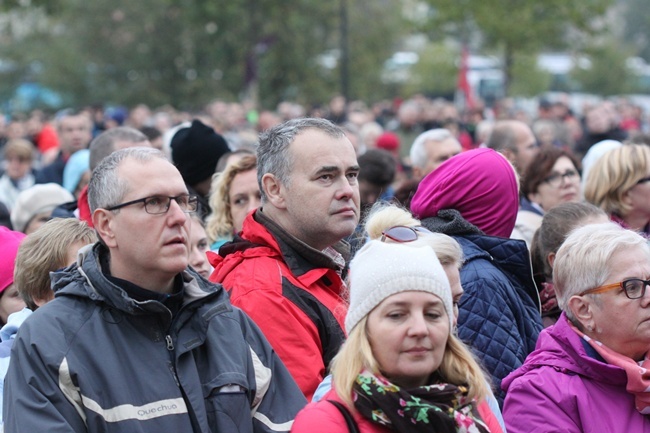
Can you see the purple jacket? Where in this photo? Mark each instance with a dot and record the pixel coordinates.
(561, 388)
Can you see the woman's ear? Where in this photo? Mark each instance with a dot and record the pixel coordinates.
(534, 197)
(582, 309)
(627, 198)
(550, 258)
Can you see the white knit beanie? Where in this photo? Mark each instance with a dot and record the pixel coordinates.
(381, 269)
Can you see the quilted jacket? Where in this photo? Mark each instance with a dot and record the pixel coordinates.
(499, 314)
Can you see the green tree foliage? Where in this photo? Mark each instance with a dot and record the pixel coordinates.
(435, 73)
(637, 22)
(608, 74)
(517, 26)
(187, 52)
(528, 80)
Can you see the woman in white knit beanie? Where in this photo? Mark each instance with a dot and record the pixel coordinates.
(402, 368)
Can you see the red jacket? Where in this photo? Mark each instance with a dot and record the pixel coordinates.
(296, 303)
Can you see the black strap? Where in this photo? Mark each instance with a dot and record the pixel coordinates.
(349, 420)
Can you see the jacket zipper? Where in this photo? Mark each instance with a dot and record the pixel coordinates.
(170, 342)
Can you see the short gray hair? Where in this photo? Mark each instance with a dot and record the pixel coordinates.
(503, 136)
(106, 189)
(273, 150)
(582, 262)
(418, 152)
(104, 144)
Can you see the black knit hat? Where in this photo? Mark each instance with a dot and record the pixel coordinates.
(196, 150)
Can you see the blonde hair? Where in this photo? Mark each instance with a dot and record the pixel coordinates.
(45, 251)
(458, 367)
(614, 174)
(219, 223)
(19, 147)
(383, 216)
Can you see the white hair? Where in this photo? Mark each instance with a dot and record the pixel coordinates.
(582, 262)
(418, 152)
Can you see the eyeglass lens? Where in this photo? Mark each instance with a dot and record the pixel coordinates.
(557, 178)
(403, 233)
(161, 204)
(635, 288)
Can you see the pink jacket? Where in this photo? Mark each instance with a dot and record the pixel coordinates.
(563, 388)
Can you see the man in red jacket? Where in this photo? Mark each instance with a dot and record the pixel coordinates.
(285, 268)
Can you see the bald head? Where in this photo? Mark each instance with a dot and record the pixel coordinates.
(115, 139)
(515, 140)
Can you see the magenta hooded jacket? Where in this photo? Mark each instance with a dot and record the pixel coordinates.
(562, 388)
(480, 184)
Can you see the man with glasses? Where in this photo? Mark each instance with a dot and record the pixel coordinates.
(136, 340)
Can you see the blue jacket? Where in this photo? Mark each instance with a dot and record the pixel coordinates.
(96, 360)
(499, 314)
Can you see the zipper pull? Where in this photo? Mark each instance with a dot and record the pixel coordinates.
(170, 343)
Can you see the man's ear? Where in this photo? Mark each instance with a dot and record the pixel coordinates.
(274, 190)
(103, 222)
(510, 155)
(582, 309)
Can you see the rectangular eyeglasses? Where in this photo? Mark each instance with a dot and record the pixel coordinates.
(159, 204)
(634, 288)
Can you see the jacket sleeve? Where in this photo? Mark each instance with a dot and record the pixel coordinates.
(277, 398)
(530, 408)
(33, 400)
(295, 338)
(491, 322)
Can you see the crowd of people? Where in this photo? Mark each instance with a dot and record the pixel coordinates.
(401, 267)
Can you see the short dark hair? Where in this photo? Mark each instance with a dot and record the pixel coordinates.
(273, 154)
(377, 167)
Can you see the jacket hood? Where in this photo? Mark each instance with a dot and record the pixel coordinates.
(480, 184)
(95, 286)
(561, 348)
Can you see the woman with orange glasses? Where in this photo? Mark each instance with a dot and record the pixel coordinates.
(591, 370)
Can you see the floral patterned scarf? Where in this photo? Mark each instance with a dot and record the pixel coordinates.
(440, 407)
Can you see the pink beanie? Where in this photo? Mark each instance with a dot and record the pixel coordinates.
(480, 184)
(9, 241)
